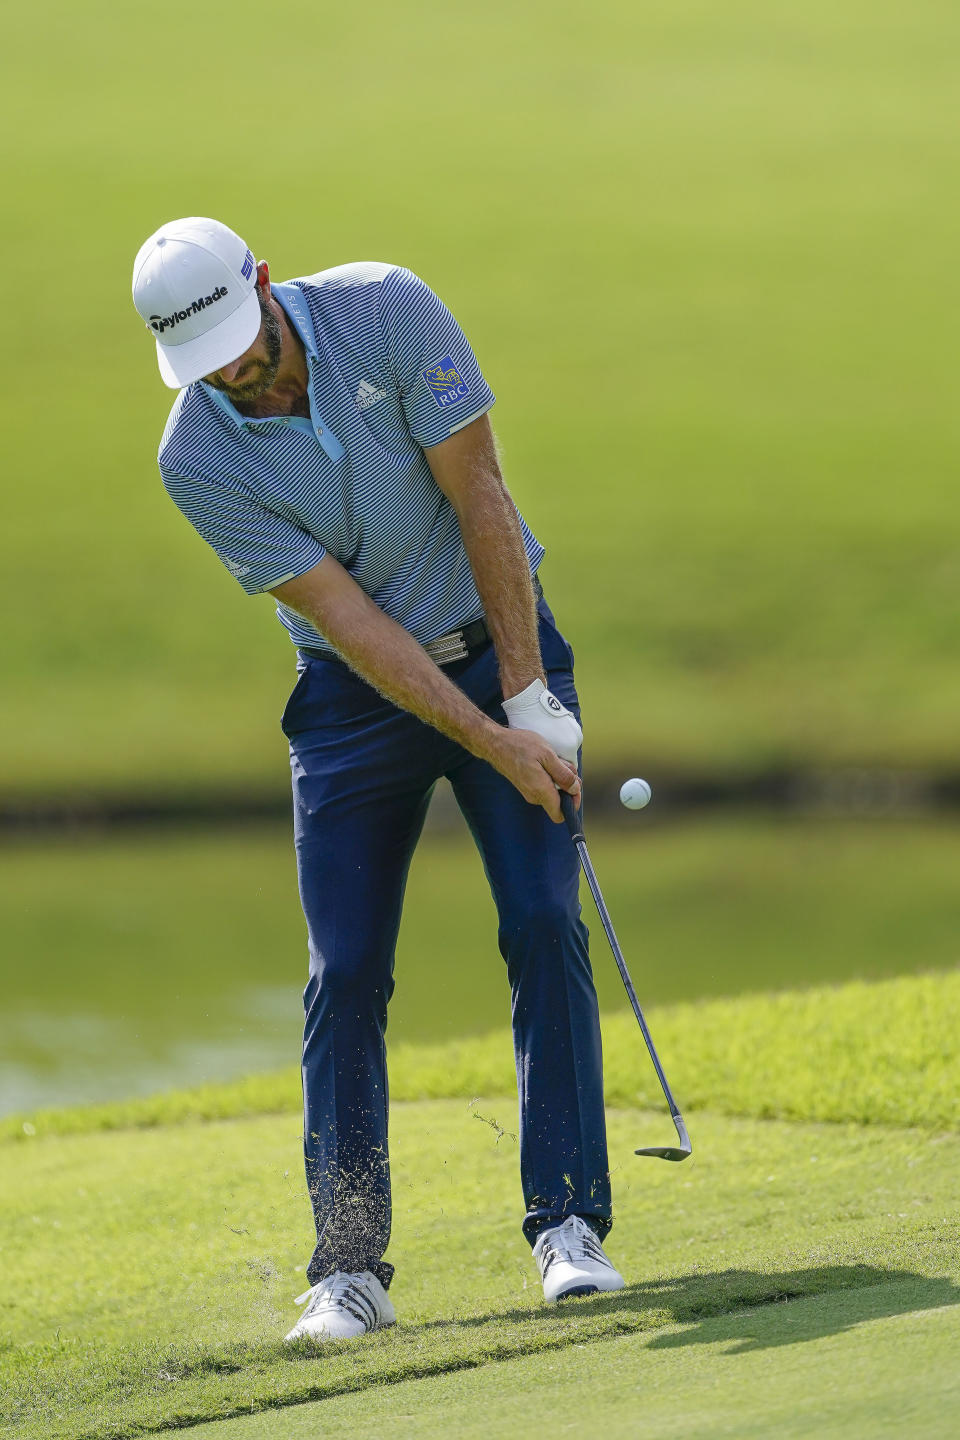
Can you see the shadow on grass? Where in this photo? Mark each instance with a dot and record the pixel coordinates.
(709, 1295)
(851, 1296)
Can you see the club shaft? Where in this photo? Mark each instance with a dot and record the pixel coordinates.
(607, 923)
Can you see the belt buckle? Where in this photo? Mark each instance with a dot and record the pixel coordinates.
(448, 648)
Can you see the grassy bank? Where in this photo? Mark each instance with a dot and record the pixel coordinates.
(161, 962)
(883, 1053)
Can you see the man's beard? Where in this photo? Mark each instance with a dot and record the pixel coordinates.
(258, 375)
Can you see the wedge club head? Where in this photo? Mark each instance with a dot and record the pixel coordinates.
(671, 1152)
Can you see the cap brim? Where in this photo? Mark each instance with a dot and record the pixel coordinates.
(181, 365)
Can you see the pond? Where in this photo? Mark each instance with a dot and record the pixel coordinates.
(154, 961)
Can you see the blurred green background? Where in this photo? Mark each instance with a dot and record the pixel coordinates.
(707, 260)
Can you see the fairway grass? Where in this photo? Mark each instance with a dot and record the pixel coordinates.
(149, 1275)
(150, 1271)
(867, 1362)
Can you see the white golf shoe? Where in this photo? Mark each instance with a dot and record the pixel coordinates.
(343, 1306)
(572, 1262)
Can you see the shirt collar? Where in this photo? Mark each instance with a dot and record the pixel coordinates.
(295, 308)
(291, 298)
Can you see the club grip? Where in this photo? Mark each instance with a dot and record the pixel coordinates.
(571, 816)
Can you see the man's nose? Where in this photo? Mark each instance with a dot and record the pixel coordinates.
(229, 372)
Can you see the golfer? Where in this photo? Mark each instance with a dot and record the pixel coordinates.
(331, 442)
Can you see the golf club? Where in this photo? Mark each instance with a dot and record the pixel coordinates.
(659, 1152)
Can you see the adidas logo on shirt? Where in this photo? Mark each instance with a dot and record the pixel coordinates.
(368, 395)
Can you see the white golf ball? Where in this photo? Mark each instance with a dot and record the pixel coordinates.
(635, 794)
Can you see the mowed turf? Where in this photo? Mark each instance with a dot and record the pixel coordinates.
(704, 258)
(150, 1272)
(865, 1361)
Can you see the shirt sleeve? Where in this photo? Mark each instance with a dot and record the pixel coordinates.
(441, 385)
(260, 548)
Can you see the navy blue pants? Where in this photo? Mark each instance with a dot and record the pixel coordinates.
(363, 772)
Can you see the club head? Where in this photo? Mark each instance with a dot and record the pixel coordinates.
(671, 1152)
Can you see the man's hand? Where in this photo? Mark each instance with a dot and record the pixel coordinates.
(537, 708)
(531, 764)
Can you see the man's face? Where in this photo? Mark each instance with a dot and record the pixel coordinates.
(253, 373)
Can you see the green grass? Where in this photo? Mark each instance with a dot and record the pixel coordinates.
(872, 1361)
(703, 259)
(150, 1274)
(149, 1271)
(161, 962)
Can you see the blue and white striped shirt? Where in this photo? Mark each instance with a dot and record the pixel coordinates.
(390, 371)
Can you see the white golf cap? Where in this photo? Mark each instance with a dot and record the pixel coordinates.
(194, 286)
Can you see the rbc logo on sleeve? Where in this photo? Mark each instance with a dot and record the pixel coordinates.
(446, 383)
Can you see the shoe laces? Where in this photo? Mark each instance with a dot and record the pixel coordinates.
(572, 1241)
(330, 1292)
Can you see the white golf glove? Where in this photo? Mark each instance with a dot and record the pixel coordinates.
(536, 708)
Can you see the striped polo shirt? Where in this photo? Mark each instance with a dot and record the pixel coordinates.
(390, 371)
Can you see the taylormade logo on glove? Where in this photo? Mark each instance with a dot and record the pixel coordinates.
(537, 708)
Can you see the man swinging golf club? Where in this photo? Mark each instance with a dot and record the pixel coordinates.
(331, 443)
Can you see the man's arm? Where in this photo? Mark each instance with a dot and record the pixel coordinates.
(389, 658)
(467, 470)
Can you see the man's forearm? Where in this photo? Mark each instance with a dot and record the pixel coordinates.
(493, 541)
(388, 658)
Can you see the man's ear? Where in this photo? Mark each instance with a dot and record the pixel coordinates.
(263, 278)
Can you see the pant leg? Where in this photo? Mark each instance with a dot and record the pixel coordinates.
(362, 782)
(533, 870)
